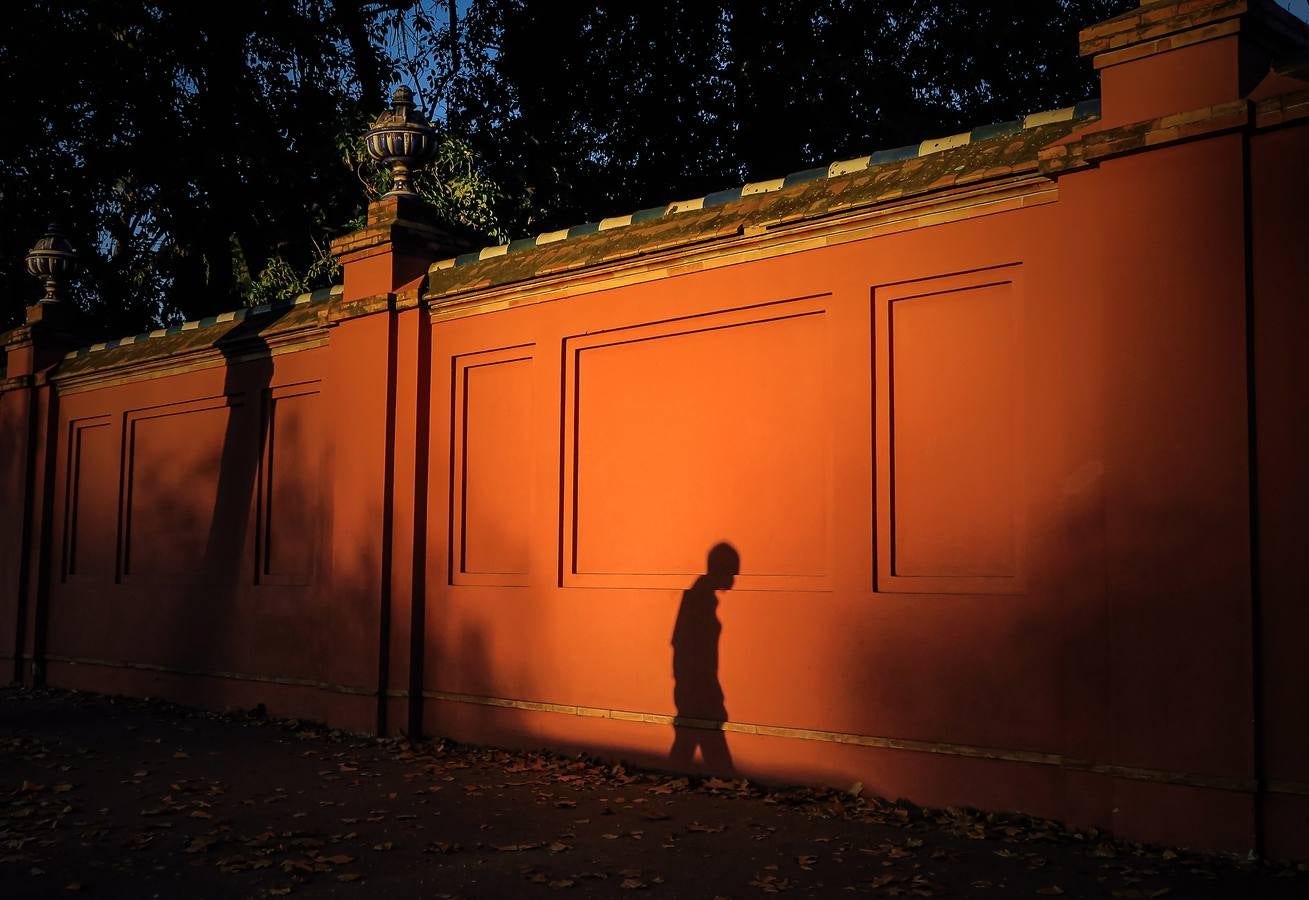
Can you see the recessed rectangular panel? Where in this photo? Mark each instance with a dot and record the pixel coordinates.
(290, 515)
(952, 425)
(494, 466)
(91, 540)
(180, 460)
(690, 433)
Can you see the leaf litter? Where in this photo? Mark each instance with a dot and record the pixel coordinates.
(529, 804)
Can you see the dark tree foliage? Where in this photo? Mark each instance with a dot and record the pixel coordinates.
(182, 145)
(191, 149)
(587, 108)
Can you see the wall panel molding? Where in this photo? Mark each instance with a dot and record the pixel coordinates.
(91, 499)
(491, 467)
(682, 433)
(290, 477)
(950, 434)
(136, 480)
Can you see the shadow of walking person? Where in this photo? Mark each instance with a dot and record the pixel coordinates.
(697, 693)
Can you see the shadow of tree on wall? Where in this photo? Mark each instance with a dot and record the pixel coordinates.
(697, 693)
(226, 571)
(249, 372)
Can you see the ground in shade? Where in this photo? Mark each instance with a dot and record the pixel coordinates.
(123, 798)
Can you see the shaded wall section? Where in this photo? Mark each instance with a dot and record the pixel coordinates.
(13, 485)
(193, 511)
(1280, 312)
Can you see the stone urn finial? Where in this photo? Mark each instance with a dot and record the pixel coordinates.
(401, 140)
(51, 259)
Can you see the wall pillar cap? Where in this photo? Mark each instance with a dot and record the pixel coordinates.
(398, 242)
(48, 314)
(1158, 26)
(399, 221)
(39, 344)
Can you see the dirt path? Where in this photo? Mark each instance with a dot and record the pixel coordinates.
(122, 798)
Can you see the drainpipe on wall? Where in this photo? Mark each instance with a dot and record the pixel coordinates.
(1256, 581)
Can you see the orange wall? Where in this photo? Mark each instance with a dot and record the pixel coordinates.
(986, 490)
(989, 482)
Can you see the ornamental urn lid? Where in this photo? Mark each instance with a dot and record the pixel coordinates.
(51, 259)
(402, 140)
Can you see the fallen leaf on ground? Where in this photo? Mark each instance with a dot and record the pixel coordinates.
(201, 842)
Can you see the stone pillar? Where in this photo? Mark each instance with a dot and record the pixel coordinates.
(391, 253)
(29, 417)
(381, 363)
(380, 369)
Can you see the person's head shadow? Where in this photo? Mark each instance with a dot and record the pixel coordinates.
(697, 692)
(723, 566)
